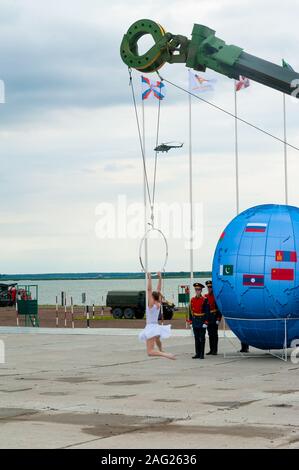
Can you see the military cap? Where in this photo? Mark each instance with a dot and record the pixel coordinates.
(198, 284)
(209, 283)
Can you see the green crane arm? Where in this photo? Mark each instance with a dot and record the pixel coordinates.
(204, 50)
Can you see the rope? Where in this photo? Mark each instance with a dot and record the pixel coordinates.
(131, 84)
(152, 197)
(156, 154)
(219, 108)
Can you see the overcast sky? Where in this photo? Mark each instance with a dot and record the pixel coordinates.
(68, 135)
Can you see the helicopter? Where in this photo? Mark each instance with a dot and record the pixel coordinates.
(167, 146)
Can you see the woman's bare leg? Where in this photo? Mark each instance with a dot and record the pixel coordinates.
(150, 344)
(158, 343)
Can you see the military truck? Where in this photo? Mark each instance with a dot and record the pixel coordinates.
(131, 304)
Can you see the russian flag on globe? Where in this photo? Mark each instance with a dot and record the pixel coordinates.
(256, 227)
(256, 280)
(222, 236)
(290, 256)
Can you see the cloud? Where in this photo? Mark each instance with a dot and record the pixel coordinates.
(69, 138)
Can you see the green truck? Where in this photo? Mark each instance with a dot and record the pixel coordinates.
(131, 304)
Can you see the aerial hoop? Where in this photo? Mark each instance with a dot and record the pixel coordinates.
(153, 229)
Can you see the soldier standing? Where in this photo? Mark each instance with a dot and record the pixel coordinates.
(215, 318)
(199, 311)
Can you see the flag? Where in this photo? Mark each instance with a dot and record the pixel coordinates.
(287, 66)
(282, 274)
(200, 83)
(153, 89)
(242, 83)
(226, 270)
(256, 227)
(222, 236)
(256, 280)
(290, 256)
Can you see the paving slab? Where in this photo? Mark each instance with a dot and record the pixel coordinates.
(102, 391)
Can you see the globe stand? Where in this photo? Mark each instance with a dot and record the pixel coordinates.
(284, 356)
(274, 353)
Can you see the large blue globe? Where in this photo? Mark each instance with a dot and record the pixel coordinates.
(256, 276)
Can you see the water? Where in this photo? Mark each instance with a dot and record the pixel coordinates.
(96, 290)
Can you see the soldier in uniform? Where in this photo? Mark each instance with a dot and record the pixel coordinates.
(199, 312)
(215, 318)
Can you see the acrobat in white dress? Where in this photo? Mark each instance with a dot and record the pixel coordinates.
(153, 328)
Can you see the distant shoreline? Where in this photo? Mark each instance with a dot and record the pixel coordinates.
(96, 276)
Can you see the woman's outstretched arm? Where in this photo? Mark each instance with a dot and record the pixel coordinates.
(149, 289)
(159, 286)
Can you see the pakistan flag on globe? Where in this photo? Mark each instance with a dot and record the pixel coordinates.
(256, 276)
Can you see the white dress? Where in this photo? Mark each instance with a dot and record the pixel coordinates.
(152, 327)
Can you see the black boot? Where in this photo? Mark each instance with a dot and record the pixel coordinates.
(244, 348)
(215, 346)
(202, 350)
(197, 343)
(211, 342)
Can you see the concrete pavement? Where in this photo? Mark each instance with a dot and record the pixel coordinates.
(102, 391)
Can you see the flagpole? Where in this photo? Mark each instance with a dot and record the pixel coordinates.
(191, 193)
(285, 150)
(236, 151)
(145, 207)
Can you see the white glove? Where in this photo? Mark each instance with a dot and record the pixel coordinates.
(217, 322)
(205, 325)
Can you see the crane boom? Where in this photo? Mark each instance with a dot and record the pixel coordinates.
(204, 50)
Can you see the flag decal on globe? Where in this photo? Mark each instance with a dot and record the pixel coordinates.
(222, 236)
(290, 256)
(256, 280)
(282, 274)
(256, 227)
(226, 270)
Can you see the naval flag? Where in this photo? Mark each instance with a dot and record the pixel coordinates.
(152, 89)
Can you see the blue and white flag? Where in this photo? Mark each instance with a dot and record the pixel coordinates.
(200, 82)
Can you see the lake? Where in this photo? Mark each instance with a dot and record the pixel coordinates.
(96, 290)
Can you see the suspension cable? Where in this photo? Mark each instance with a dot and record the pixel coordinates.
(152, 197)
(156, 154)
(219, 108)
(131, 84)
